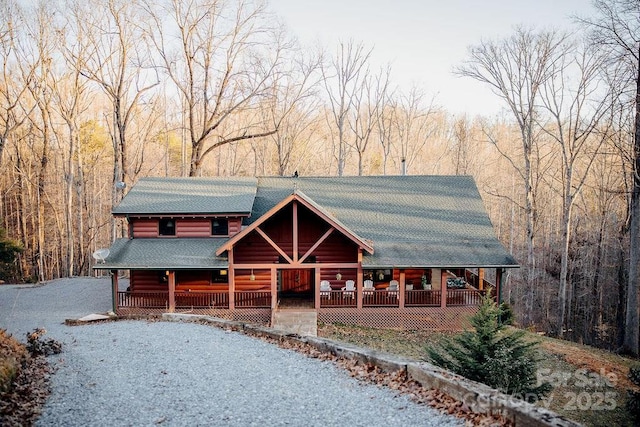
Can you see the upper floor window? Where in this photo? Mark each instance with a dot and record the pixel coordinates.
(219, 227)
(167, 227)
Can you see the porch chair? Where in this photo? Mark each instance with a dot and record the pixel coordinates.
(393, 288)
(325, 288)
(368, 287)
(350, 288)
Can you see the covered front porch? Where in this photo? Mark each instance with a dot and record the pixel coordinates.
(253, 294)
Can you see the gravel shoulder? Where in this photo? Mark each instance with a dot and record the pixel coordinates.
(163, 373)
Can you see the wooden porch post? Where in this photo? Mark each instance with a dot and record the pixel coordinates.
(359, 281)
(172, 291)
(274, 288)
(443, 288)
(231, 277)
(114, 290)
(481, 279)
(316, 290)
(402, 288)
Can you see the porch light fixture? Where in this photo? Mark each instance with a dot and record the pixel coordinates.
(252, 277)
(223, 272)
(338, 275)
(381, 275)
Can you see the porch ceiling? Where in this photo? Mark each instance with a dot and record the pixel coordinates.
(164, 254)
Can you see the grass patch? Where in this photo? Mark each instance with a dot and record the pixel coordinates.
(590, 385)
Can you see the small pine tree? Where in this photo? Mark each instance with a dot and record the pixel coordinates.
(491, 355)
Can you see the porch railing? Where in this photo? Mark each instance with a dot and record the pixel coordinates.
(458, 297)
(253, 299)
(217, 299)
(143, 299)
(338, 299)
(380, 298)
(420, 297)
(202, 299)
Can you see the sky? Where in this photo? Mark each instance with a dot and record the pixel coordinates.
(424, 40)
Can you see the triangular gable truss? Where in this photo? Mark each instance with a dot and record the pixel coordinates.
(301, 198)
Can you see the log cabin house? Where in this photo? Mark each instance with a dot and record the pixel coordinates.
(380, 251)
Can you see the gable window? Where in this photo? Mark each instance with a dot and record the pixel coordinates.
(219, 227)
(167, 227)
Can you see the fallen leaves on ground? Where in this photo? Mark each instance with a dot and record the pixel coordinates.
(398, 381)
(22, 403)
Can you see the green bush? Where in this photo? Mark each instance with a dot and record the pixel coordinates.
(492, 355)
(507, 317)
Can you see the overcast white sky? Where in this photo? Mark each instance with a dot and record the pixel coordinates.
(424, 39)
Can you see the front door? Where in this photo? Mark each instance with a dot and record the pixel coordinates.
(296, 281)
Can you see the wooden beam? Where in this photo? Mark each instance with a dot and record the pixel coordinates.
(274, 288)
(275, 246)
(317, 287)
(231, 277)
(359, 280)
(318, 243)
(402, 289)
(172, 291)
(295, 231)
(481, 279)
(345, 265)
(443, 288)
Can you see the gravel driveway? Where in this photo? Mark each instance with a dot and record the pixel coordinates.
(137, 373)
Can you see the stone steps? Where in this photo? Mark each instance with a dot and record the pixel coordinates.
(299, 321)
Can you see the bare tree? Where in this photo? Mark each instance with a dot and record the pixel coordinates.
(292, 107)
(515, 69)
(116, 62)
(367, 107)
(616, 29)
(574, 99)
(461, 145)
(413, 125)
(343, 79)
(386, 126)
(13, 84)
(222, 65)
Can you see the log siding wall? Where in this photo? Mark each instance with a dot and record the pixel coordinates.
(185, 227)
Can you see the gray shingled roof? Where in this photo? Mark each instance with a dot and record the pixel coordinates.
(158, 196)
(161, 254)
(413, 221)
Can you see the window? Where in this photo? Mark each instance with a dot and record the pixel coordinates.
(167, 227)
(220, 276)
(378, 276)
(219, 227)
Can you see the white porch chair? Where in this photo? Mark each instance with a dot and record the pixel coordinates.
(393, 288)
(349, 289)
(325, 288)
(368, 287)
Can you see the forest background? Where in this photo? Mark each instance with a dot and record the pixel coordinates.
(97, 94)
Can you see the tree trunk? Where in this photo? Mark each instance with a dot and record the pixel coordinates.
(632, 325)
